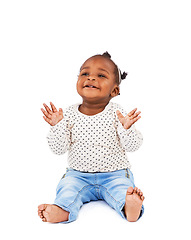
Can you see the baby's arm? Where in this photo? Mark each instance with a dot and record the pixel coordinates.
(59, 134)
(59, 137)
(130, 138)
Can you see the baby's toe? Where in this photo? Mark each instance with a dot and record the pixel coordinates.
(138, 191)
(135, 189)
(41, 215)
(42, 207)
(130, 190)
(142, 198)
(44, 219)
(141, 194)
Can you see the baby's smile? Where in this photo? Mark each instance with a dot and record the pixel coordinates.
(90, 86)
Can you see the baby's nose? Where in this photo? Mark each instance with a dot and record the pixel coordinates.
(91, 78)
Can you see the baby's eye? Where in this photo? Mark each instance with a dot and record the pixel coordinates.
(101, 76)
(85, 74)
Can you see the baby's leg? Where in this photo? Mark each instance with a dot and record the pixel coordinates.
(133, 204)
(52, 213)
(73, 190)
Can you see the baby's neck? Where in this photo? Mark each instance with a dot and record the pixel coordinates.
(91, 109)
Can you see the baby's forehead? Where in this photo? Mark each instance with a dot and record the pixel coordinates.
(99, 61)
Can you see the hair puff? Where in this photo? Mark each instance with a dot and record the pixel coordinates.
(124, 75)
(106, 54)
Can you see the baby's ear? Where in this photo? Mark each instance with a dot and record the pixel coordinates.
(115, 92)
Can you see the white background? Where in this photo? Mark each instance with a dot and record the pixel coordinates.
(42, 46)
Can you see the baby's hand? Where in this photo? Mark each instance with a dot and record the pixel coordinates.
(129, 119)
(52, 116)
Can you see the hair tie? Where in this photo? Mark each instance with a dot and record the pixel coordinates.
(119, 75)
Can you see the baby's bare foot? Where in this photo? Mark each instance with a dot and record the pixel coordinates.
(133, 203)
(52, 213)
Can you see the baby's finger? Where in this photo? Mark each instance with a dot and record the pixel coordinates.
(119, 114)
(132, 112)
(136, 119)
(47, 108)
(53, 107)
(135, 115)
(45, 113)
(48, 120)
(60, 111)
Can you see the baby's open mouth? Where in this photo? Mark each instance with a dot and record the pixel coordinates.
(90, 86)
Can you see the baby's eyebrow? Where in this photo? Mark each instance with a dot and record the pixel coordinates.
(98, 68)
(84, 68)
(103, 70)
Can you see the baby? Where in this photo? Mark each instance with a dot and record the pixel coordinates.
(97, 134)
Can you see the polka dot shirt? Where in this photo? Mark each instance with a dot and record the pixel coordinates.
(96, 143)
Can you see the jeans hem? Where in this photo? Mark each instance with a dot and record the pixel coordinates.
(122, 213)
(71, 216)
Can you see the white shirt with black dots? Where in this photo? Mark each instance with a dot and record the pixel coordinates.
(96, 143)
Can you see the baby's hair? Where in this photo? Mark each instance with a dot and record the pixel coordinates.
(106, 54)
(124, 75)
(119, 76)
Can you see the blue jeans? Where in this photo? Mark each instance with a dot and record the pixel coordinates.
(76, 188)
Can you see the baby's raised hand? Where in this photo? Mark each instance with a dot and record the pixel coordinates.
(52, 116)
(129, 119)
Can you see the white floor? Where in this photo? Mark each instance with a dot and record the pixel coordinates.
(96, 220)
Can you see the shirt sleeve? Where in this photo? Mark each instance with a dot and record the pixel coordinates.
(131, 139)
(59, 137)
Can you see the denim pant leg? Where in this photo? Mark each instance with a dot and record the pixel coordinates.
(73, 191)
(115, 188)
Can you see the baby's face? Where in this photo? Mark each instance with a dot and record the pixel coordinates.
(96, 81)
